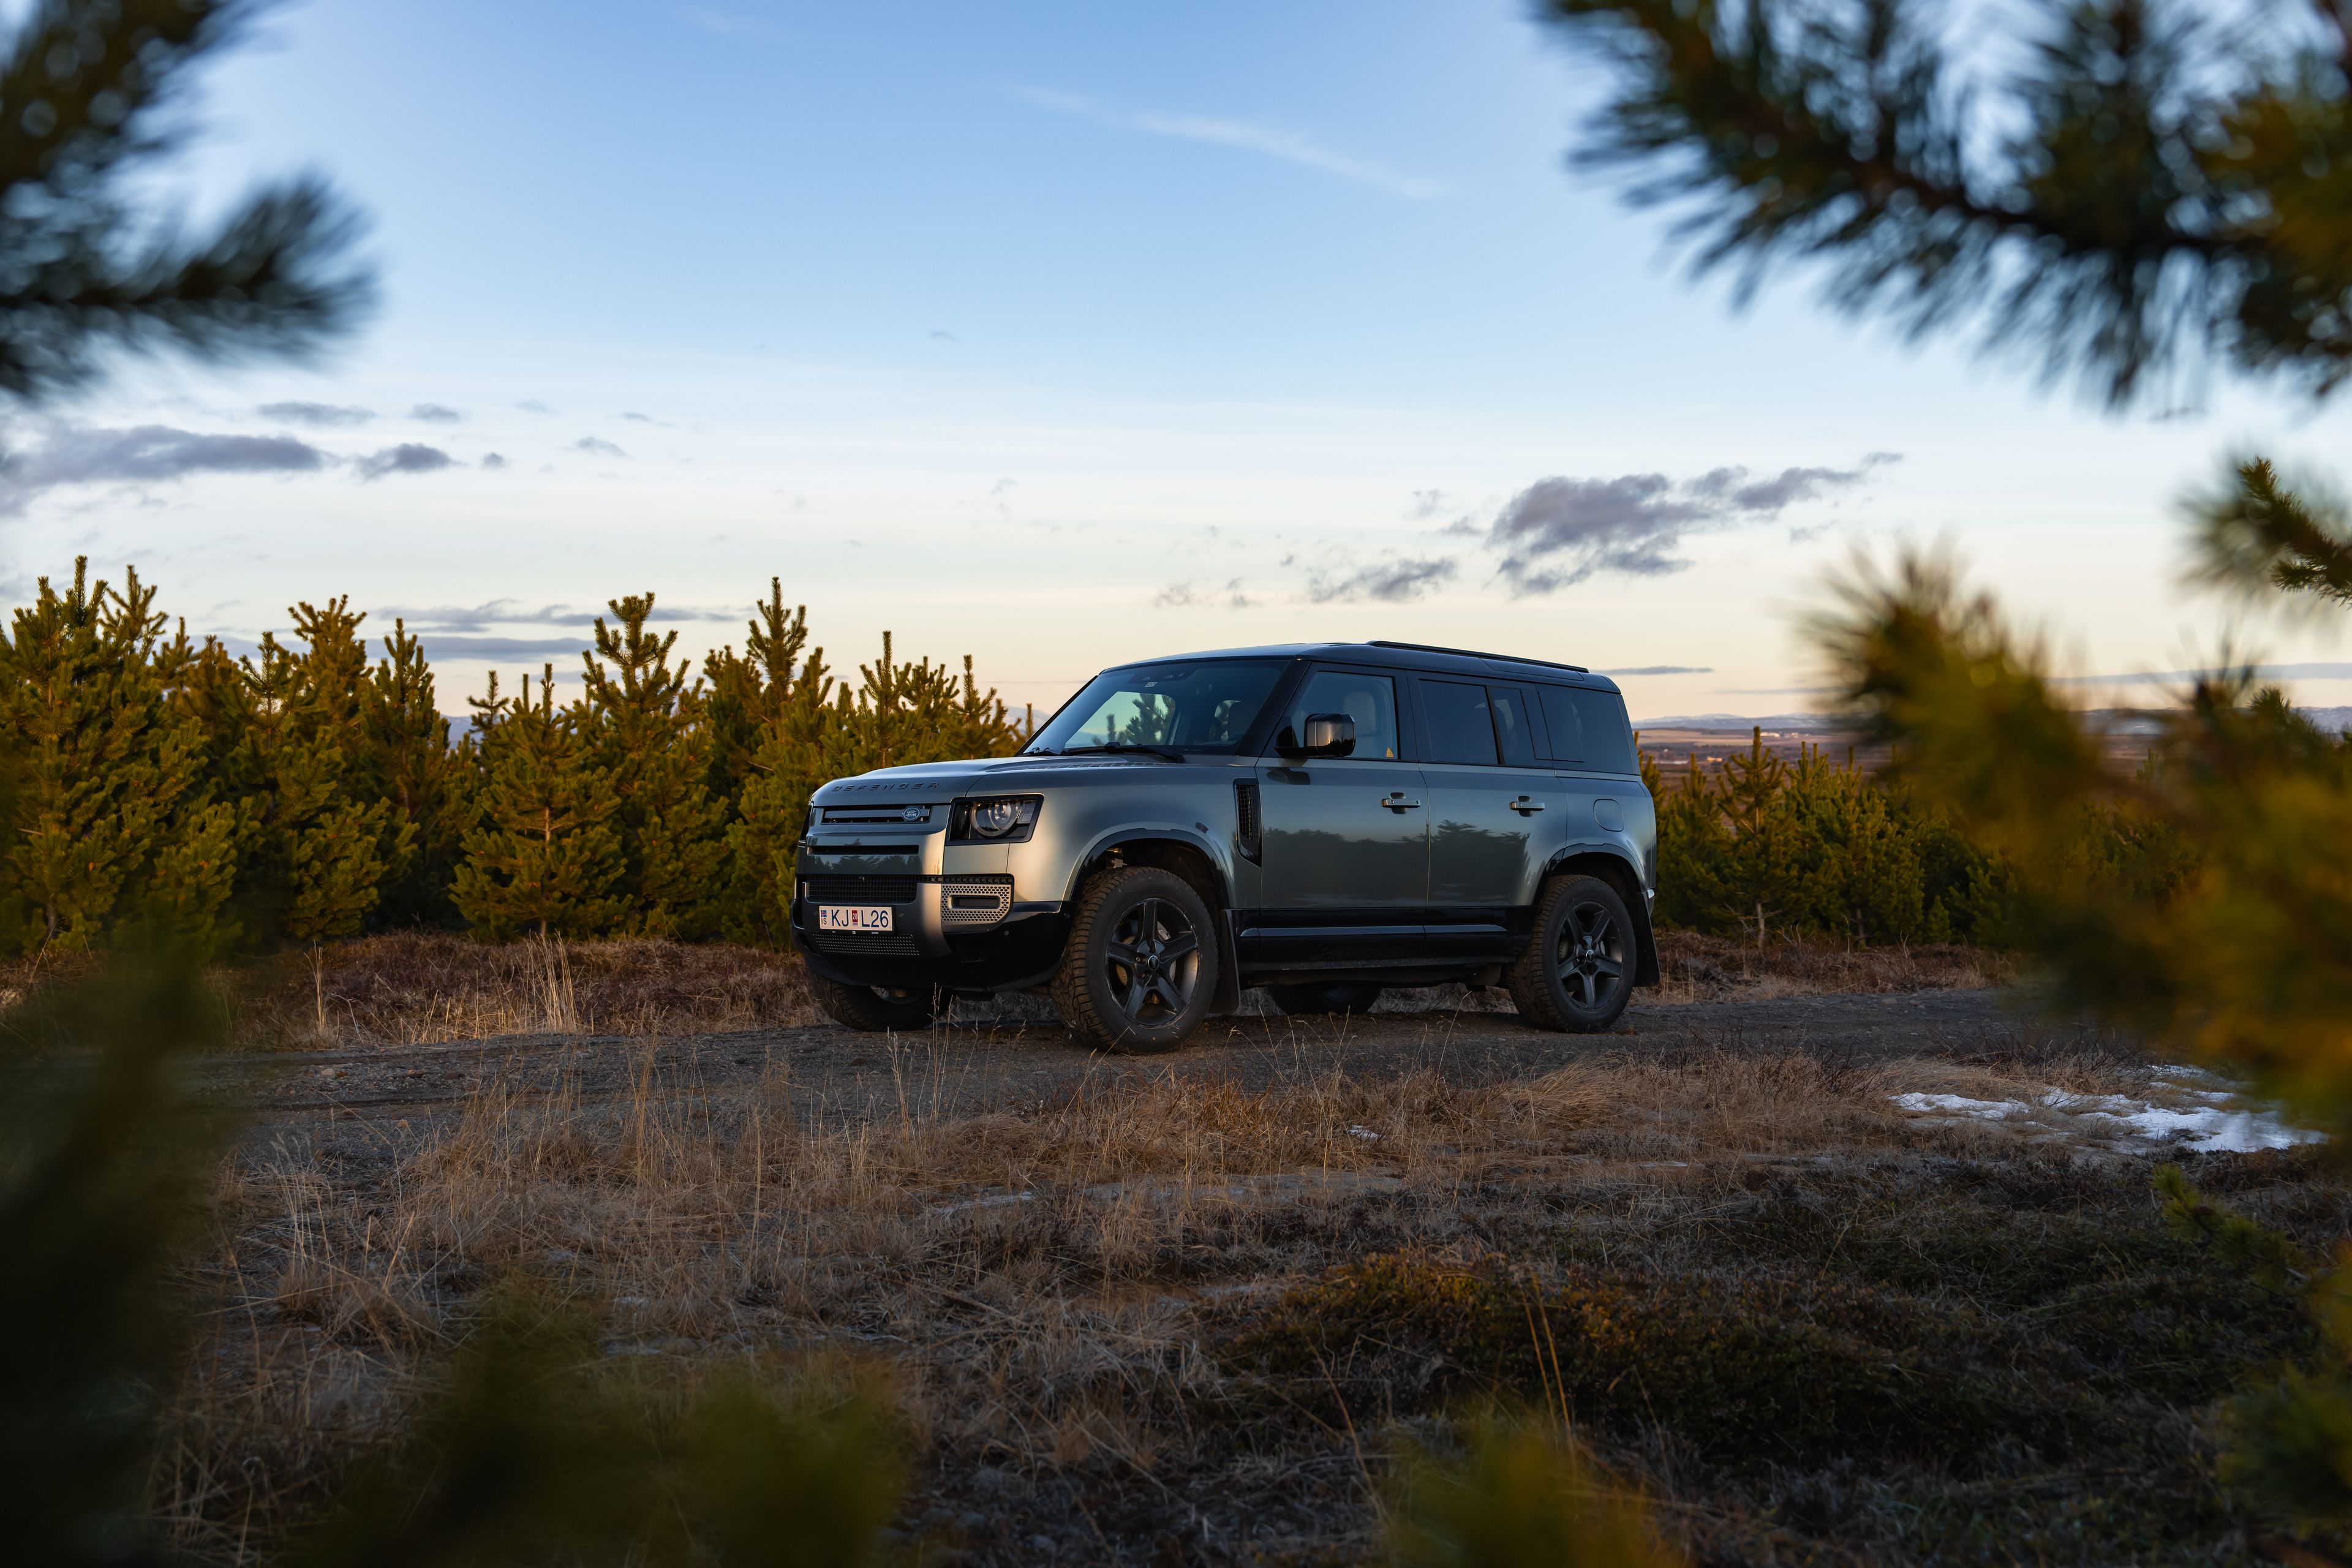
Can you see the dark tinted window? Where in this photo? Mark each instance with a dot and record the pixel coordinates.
(1589, 730)
(1512, 727)
(1368, 699)
(1460, 728)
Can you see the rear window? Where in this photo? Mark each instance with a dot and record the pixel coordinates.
(1589, 730)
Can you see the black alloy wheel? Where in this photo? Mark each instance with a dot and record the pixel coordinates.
(1314, 1001)
(1577, 973)
(1140, 967)
(873, 1009)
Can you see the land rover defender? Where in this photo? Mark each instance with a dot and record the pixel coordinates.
(1321, 819)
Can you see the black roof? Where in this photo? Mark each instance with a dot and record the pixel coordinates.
(1408, 655)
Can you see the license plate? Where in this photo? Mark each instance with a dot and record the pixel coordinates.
(853, 917)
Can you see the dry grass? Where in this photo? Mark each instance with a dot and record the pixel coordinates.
(1048, 1288)
(413, 987)
(1697, 968)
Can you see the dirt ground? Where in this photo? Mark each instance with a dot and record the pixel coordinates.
(1190, 1308)
(986, 1059)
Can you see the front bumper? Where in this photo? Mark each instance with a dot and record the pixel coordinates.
(1022, 950)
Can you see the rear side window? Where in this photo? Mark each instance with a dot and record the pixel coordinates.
(1589, 730)
(1460, 730)
(1511, 726)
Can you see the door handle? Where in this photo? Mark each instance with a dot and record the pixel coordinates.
(1526, 806)
(1395, 801)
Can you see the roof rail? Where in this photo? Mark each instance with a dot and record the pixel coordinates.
(1472, 653)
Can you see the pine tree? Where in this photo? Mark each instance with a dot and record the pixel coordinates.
(546, 856)
(320, 843)
(407, 761)
(641, 719)
(114, 833)
(775, 731)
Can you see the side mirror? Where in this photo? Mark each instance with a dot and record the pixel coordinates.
(1327, 735)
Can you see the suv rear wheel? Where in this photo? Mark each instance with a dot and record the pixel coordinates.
(874, 1008)
(1309, 1000)
(1140, 969)
(1577, 973)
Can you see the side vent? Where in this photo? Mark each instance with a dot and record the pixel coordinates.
(1248, 828)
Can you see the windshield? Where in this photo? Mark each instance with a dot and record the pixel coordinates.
(1206, 705)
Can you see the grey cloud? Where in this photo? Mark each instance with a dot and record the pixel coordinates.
(442, 645)
(318, 415)
(435, 414)
(1388, 582)
(1661, 670)
(1558, 531)
(470, 619)
(408, 458)
(84, 455)
(640, 418)
(1426, 504)
(597, 446)
(1180, 595)
(533, 406)
(493, 460)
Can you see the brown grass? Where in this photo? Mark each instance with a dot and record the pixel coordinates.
(1044, 1287)
(1697, 968)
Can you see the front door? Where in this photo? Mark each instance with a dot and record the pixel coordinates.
(1346, 845)
(1489, 798)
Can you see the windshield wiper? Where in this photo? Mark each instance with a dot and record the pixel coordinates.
(1168, 751)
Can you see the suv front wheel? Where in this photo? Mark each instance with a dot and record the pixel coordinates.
(1577, 973)
(874, 1008)
(1140, 969)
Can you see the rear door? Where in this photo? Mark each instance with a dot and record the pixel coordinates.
(1593, 747)
(1491, 799)
(1346, 839)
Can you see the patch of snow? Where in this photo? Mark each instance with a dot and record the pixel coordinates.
(1962, 1105)
(2221, 1124)
(1365, 1134)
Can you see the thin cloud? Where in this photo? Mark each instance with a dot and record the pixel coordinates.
(1388, 583)
(435, 414)
(408, 458)
(1558, 531)
(533, 406)
(318, 415)
(596, 445)
(493, 460)
(470, 619)
(144, 454)
(1288, 146)
(1661, 670)
(1186, 594)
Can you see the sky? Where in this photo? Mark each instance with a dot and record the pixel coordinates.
(1064, 334)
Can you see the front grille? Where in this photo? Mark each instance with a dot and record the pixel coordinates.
(878, 813)
(894, 945)
(858, 890)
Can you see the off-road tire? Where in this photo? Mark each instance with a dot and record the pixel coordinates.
(872, 1010)
(1132, 1006)
(1577, 973)
(1317, 1001)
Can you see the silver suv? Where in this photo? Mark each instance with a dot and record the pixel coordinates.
(1322, 819)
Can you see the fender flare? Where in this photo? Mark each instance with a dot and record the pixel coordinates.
(1228, 997)
(1628, 878)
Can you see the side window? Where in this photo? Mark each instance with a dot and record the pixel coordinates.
(1589, 730)
(1512, 726)
(1460, 728)
(1368, 699)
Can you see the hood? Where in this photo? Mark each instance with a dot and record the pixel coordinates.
(931, 783)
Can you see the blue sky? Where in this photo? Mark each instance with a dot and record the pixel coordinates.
(1061, 334)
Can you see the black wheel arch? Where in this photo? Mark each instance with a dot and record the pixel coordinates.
(1181, 855)
(1622, 875)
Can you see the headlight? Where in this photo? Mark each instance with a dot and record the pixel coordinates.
(994, 820)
